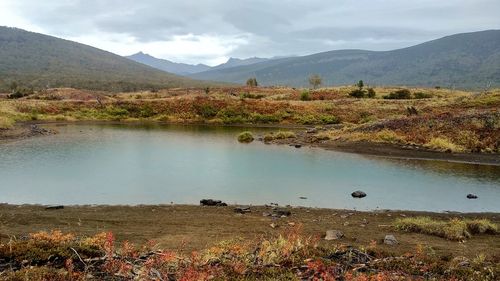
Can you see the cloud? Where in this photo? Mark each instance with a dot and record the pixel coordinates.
(209, 31)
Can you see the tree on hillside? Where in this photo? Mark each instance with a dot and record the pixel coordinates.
(360, 84)
(252, 82)
(315, 80)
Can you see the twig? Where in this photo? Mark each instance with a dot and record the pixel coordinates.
(80, 258)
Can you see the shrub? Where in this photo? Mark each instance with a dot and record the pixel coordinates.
(206, 111)
(304, 96)
(245, 137)
(371, 93)
(399, 95)
(422, 95)
(251, 96)
(357, 93)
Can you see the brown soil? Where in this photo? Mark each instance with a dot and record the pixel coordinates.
(187, 227)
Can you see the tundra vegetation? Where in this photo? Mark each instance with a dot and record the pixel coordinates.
(433, 119)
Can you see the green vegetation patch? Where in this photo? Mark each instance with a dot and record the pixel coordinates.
(245, 137)
(454, 229)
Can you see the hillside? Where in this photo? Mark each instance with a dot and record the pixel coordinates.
(468, 60)
(37, 60)
(168, 66)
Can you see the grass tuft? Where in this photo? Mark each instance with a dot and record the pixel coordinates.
(245, 137)
(454, 229)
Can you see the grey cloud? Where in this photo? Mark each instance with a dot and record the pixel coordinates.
(274, 27)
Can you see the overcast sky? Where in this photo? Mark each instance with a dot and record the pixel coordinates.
(211, 31)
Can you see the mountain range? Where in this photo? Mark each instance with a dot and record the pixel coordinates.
(187, 69)
(467, 60)
(39, 61)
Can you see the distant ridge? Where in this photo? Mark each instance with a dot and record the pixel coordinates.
(467, 60)
(40, 61)
(168, 66)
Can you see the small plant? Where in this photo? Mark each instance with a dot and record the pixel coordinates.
(304, 96)
(371, 93)
(245, 137)
(207, 90)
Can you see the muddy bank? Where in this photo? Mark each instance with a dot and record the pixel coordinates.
(388, 150)
(23, 131)
(189, 227)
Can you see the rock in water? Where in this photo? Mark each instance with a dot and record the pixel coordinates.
(471, 196)
(211, 202)
(358, 194)
(390, 240)
(333, 234)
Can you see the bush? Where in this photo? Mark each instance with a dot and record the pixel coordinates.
(422, 95)
(245, 137)
(399, 95)
(371, 93)
(304, 96)
(357, 93)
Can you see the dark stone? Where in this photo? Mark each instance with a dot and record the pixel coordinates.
(211, 202)
(302, 197)
(281, 213)
(56, 207)
(298, 145)
(358, 194)
(471, 196)
(242, 209)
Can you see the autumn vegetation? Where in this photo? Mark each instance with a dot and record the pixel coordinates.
(433, 119)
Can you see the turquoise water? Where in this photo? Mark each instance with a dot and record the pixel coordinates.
(156, 164)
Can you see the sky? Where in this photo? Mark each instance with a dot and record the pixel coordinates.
(211, 31)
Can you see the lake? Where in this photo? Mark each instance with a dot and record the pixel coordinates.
(159, 164)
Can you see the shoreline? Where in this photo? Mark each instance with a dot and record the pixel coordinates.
(191, 227)
(22, 130)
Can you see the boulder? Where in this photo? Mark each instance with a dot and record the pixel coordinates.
(55, 207)
(298, 145)
(211, 202)
(242, 209)
(333, 234)
(390, 240)
(358, 194)
(281, 213)
(471, 196)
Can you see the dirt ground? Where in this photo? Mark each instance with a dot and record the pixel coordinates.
(189, 227)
